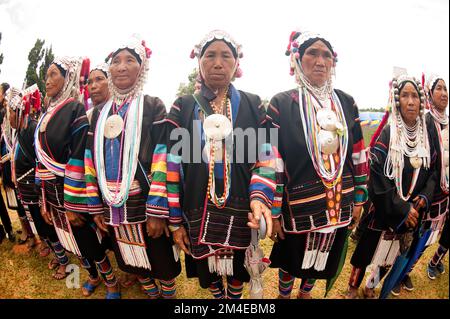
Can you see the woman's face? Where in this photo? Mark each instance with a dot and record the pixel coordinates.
(317, 62)
(409, 104)
(124, 70)
(2, 96)
(440, 96)
(54, 82)
(98, 87)
(218, 65)
(12, 118)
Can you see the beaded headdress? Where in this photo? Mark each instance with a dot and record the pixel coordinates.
(101, 67)
(401, 144)
(136, 44)
(71, 87)
(23, 102)
(224, 36)
(296, 40)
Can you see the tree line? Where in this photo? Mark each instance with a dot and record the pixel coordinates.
(39, 60)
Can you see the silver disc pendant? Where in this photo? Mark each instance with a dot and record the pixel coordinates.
(44, 123)
(113, 126)
(217, 127)
(416, 162)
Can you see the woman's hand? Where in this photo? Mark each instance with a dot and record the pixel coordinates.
(181, 238)
(156, 227)
(277, 230)
(99, 220)
(75, 219)
(356, 215)
(258, 210)
(413, 216)
(46, 215)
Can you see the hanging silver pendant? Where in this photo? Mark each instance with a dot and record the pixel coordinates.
(416, 162)
(114, 126)
(217, 127)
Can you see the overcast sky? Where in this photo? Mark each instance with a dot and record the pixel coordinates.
(370, 37)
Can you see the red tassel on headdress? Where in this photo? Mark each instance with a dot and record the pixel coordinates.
(291, 38)
(86, 96)
(84, 74)
(36, 97)
(379, 129)
(148, 52)
(192, 55)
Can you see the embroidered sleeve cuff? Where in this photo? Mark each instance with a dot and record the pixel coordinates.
(175, 221)
(173, 228)
(158, 212)
(360, 195)
(262, 198)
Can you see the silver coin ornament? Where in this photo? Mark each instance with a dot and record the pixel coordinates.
(327, 120)
(217, 127)
(113, 126)
(416, 162)
(328, 142)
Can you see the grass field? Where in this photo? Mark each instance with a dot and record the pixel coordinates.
(25, 275)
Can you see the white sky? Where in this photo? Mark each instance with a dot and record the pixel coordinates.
(370, 37)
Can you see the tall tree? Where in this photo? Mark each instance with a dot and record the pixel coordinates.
(39, 59)
(48, 59)
(189, 88)
(34, 57)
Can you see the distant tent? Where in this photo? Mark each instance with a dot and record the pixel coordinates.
(372, 119)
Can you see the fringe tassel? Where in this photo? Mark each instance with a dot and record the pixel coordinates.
(30, 220)
(318, 246)
(393, 253)
(132, 245)
(436, 227)
(133, 255)
(64, 232)
(311, 250)
(223, 266)
(386, 252)
(176, 252)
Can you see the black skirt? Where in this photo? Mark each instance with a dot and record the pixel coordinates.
(365, 249)
(88, 241)
(288, 255)
(198, 268)
(160, 256)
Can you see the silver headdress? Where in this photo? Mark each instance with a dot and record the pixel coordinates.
(137, 45)
(71, 88)
(411, 142)
(296, 40)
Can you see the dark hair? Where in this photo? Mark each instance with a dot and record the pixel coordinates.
(401, 86)
(310, 42)
(138, 58)
(104, 73)
(60, 68)
(5, 87)
(435, 83)
(233, 50)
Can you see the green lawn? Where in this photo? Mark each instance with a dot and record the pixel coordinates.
(25, 275)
